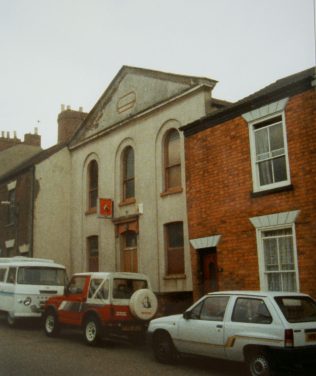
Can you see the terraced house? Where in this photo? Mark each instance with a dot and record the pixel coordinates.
(251, 174)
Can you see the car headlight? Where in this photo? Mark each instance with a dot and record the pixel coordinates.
(27, 301)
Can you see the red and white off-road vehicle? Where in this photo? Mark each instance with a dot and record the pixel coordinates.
(104, 305)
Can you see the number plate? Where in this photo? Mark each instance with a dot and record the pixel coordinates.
(311, 337)
(135, 328)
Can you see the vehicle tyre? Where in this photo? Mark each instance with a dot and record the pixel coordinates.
(51, 325)
(164, 349)
(92, 331)
(259, 365)
(143, 304)
(11, 321)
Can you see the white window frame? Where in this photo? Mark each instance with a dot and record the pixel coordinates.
(262, 267)
(254, 119)
(275, 222)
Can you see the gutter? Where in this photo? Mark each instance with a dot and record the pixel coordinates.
(246, 105)
(32, 212)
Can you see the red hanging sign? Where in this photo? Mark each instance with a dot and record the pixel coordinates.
(105, 207)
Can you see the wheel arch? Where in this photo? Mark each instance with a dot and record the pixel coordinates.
(51, 308)
(250, 350)
(160, 332)
(91, 313)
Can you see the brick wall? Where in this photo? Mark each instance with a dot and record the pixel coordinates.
(21, 230)
(219, 187)
(68, 122)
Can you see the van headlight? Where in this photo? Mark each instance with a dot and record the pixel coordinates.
(27, 301)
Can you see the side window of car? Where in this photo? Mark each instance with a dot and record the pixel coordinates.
(196, 312)
(99, 289)
(76, 285)
(251, 310)
(213, 308)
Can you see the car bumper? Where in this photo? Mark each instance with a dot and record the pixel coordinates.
(292, 357)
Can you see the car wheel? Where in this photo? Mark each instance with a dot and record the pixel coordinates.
(259, 365)
(51, 325)
(92, 331)
(164, 349)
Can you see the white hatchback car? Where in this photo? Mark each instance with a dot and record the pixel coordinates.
(264, 329)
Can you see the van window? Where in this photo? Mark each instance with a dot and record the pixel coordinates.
(11, 275)
(34, 275)
(2, 274)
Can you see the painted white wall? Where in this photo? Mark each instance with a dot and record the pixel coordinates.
(145, 134)
(52, 208)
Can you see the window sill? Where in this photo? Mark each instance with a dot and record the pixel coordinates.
(286, 188)
(128, 201)
(91, 211)
(175, 276)
(171, 191)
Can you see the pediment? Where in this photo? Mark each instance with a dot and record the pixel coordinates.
(132, 92)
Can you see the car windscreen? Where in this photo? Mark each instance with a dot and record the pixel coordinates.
(34, 275)
(297, 308)
(123, 288)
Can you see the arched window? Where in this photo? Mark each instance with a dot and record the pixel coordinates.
(128, 174)
(93, 177)
(172, 161)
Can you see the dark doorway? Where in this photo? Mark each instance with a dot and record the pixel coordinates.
(208, 270)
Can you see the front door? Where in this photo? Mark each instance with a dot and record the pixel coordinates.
(129, 252)
(209, 272)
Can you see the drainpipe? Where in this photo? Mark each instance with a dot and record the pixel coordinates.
(31, 230)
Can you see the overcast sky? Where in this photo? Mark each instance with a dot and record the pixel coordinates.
(57, 52)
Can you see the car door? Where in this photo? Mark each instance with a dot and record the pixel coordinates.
(201, 331)
(70, 310)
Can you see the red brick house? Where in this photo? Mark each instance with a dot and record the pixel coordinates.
(251, 191)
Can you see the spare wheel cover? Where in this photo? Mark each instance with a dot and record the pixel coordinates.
(143, 304)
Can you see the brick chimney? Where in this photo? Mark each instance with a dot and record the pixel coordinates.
(32, 139)
(68, 122)
(6, 141)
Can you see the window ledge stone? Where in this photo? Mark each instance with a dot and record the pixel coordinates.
(285, 188)
(128, 201)
(175, 276)
(171, 191)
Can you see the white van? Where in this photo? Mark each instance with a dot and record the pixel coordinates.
(26, 283)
